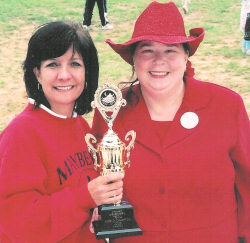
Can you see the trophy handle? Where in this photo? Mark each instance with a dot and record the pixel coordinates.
(91, 148)
(130, 145)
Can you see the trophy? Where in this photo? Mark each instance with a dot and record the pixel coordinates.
(112, 155)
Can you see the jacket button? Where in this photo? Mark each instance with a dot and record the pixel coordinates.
(162, 190)
(164, 225)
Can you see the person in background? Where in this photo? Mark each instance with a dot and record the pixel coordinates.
(185, 5)
(106, 11)
(88, 12)
(47, 181)
(245, 26)
(189, 179)
(246, 39)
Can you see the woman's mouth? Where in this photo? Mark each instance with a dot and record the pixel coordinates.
(64, 88)
(158, 73)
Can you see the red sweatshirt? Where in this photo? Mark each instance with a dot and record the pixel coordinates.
(44, 171)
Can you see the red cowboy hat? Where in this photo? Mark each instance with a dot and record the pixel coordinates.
(161, 22)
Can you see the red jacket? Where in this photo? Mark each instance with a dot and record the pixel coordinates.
(195, 186)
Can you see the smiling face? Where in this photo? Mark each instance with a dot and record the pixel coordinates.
(62, 80)
(159, 67)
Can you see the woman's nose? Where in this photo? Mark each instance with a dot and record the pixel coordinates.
(64, 73)
(159, 57)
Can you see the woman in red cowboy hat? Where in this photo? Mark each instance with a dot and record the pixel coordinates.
(189, 179)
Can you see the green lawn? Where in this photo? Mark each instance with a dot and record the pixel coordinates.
(219, 58)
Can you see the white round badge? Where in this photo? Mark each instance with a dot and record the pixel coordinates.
(189, 120)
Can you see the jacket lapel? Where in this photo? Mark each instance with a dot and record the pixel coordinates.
(138, 118)
(195, 100)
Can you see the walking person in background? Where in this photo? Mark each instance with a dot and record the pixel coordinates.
(245, 26)
(246, 43)
(189, 179)
(47, 181)
(88, 13)
(185, 5)
(106, 11)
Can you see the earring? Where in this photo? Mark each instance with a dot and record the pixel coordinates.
(75, 106)
(38, 86)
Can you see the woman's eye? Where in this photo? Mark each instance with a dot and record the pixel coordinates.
(76, 64)
(52, 64)
(147, 51)
(172, 50)
(169, 51)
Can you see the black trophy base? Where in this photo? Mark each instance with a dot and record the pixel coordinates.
(116, 221)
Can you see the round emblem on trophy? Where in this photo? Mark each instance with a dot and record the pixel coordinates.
(108, 98)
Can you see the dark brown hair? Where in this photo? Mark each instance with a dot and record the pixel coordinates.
(52, 40)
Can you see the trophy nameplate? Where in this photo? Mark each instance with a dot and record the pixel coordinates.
(112, 155)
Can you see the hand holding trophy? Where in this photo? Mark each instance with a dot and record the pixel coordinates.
(112, 155)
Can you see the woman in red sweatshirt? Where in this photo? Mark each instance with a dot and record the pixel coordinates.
(47, 181)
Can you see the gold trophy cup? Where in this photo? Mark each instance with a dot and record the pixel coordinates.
(112, 155)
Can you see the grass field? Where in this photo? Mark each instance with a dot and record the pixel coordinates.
(219, 58)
